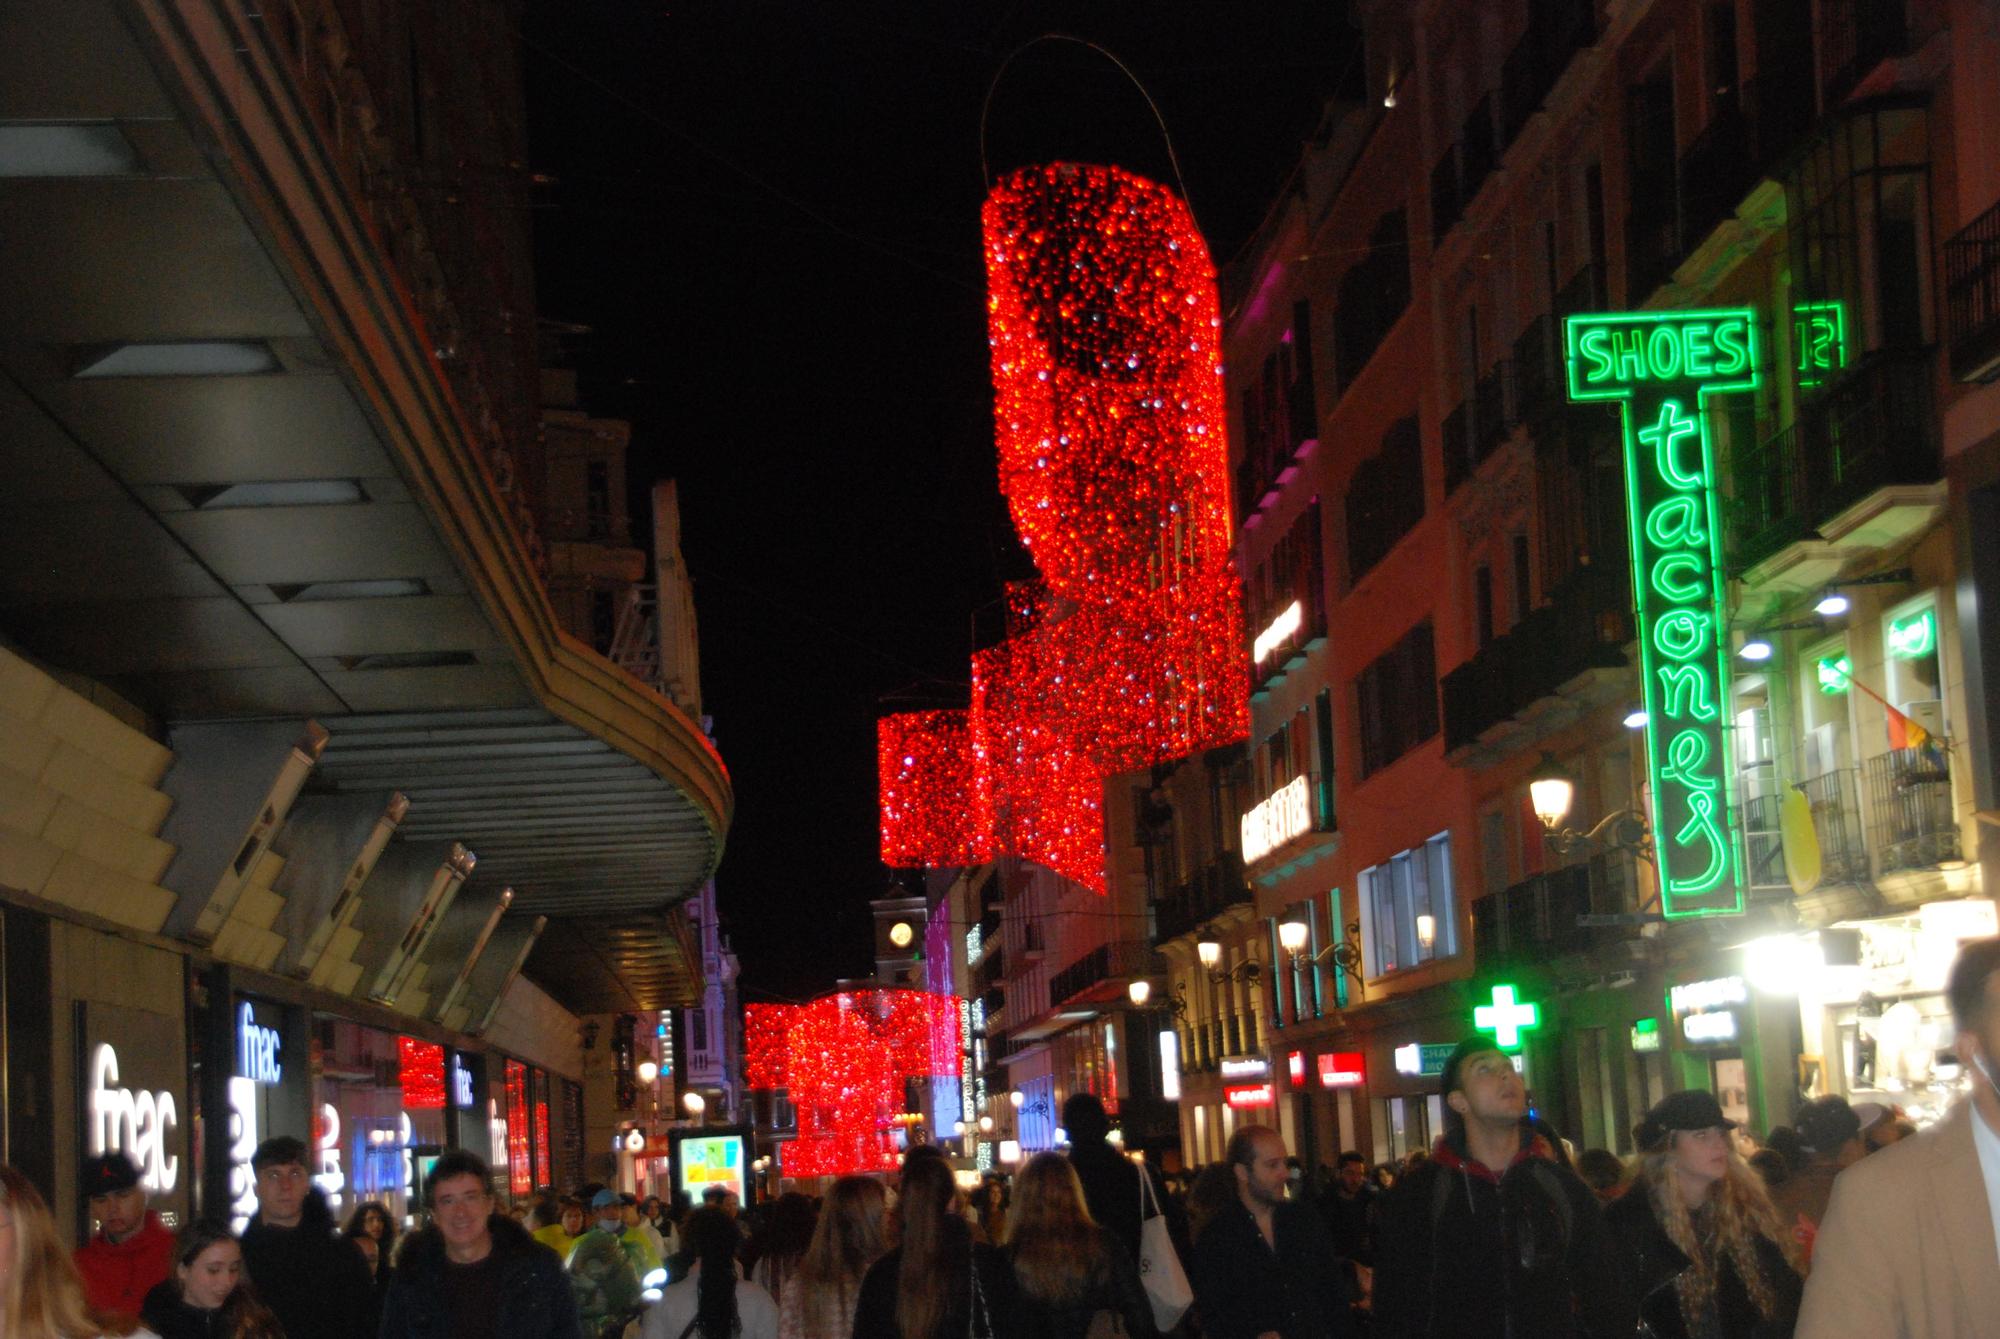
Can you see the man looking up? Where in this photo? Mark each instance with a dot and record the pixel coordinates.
(473, 1273)
(1491, 1236)
(1264, 1267)
(317, 1283)
(1908, 1247)
(132, 1251)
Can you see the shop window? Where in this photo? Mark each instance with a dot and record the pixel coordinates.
(1408, 898)
(1910, 658)
(520, 1168)
(380, 1106)
(1826, 697)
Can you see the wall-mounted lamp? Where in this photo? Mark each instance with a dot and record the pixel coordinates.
(648, 1071)
(1345, 954)
(1551, 792)
(1140, 991)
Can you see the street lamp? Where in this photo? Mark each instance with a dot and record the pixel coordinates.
(1292, 936)
(695, 1104)
(1210, 953)
(1140, 990)
(1551, 791)
(986, 1125)
(648, 1071)
(1015, 1098)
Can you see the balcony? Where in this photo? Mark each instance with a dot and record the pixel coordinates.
(1909, 802)
(1211, 890)
(1536, 919)
(1972, 298)
(1100, 976)
(1539, 393)
(1836, 814)
(1717, 170)
(1836, 472)
(1493, 409)
(1447, 205)
(1455, 440)
(1855, 36)
(1559, 660)
(1290, 828)
(1478, 154)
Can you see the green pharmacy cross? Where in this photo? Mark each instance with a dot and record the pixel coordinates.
(1506, 1019)
(1661, 368)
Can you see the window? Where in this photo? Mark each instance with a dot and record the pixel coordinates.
(1524, 598)
(1371, 297)
(1397, 700)
(1385, 499)
(1482, 603)
(1407, 885)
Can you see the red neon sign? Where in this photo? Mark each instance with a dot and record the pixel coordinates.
(1247, 1094)
(1341, 1069)
(1295, 1064)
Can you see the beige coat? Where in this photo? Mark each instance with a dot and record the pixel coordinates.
(1907, 1249)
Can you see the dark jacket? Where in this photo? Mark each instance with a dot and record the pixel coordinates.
(1463, 1253)
(167, 1314)
(535, 1298)
(1114, 1287)
(1110, 1191)
(875, 1310)
(1350, 1221)
(1244, 1288)
(317, 1283)
(1653, 1262)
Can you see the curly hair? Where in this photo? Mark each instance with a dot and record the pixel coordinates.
(1736, 1213)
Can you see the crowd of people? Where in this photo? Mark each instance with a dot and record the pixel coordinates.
(1848, 1222)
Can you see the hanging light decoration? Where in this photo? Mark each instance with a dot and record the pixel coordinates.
(1108, 408)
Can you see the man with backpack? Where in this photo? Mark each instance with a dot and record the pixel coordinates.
(1493, 1237)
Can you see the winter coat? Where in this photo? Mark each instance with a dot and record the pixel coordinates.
(1115, 1287)
(117, 1275)
(1907, 1247)
(1244, 1288)
(535, 1298)
(318, 1284)
(1652, 1262)
(603, 1275)
(169, 1315)
(1463, 1252)
(875, 1313)
(1110, 1191)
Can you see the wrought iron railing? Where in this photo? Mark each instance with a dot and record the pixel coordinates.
(1833, 798)
(1910, 810)
(1217, 885)
(1584, 625)
(1538, 917)
(1854, 37)
(1972, 297)
(1494, 411)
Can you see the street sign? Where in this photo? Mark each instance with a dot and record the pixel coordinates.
(1423, 1061)
(1661, 369)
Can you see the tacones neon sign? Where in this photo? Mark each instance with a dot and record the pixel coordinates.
(1661, 369)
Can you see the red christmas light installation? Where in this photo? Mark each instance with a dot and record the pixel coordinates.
(1108, 407)
(422, 1066)
(845, 1059)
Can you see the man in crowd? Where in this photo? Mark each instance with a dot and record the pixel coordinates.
(1264, 1265)
(1110, 1181)
(603, 1271)
(1492, 1236)
(131, 1252)
(1829, 1131)
(1348, 1208)
(1908, 1246)
(474, 1273)
(316, 1282)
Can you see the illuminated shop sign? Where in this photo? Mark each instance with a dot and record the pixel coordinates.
(1246, 1067)
(1295, 1065)
(1661, 369)
(1646, 1035)
(1343, 1069)
(257, 1049)
(1710, 1028)
(1707, 994)
(1283, 628)
(1286, 815)
(1421, 1061)
(1506, 1018)
(1913, 637)
(1819, 335)
(138, 1124)
(1836, 674)
(461, 1081)
(974, 946)
(1247, 1094)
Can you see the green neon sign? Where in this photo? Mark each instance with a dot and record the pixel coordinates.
(1661, 368)
(1835, 674)
(1819, 335)
(1913, 637)
(1506, 1018)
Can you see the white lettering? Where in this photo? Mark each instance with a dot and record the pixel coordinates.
(1710, 1027)
(1708, 994)
(256, 1049)
(135, 1124)
(243, 1140)
(329, 1178)
(1285, 815)
(1252, 1068)
(1281, 630)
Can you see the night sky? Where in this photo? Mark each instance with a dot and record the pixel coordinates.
(768, 216)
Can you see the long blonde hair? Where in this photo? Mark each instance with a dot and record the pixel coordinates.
(44, 1293)
(1058, 1250)
(849, 1237)
(1736, 1213)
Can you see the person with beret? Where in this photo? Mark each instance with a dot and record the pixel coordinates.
(1829, 1131)
(1494, 1236)
(1705, 1253)
(132, 1252)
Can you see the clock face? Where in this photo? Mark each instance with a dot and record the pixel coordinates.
(899, 934)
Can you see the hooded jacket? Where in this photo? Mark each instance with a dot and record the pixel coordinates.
(318, 1284)
(171, 1316)
(1652, 1263)
(117, 1275)
(535, 1299)
(1466, 1252)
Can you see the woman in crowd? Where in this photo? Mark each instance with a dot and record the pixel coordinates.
(989, 1208)
(561, 1234)
(711, 1302)
(1703, 1248)
(783, 1238)
(937, 1283)
(371, 1220)
(819, 1298)
(41, 1294)
(207, 1296)
(1068, 1268)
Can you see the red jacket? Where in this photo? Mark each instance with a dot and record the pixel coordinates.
(117, 1275)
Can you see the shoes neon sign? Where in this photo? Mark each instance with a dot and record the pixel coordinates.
(1661, 368)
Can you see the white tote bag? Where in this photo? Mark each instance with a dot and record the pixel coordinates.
(1160, 1271)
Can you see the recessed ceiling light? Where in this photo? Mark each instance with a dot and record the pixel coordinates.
(178, 358)
(277, 493)
(96, 149)
(385, 589)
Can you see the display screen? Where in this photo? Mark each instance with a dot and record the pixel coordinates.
(705, 1160)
